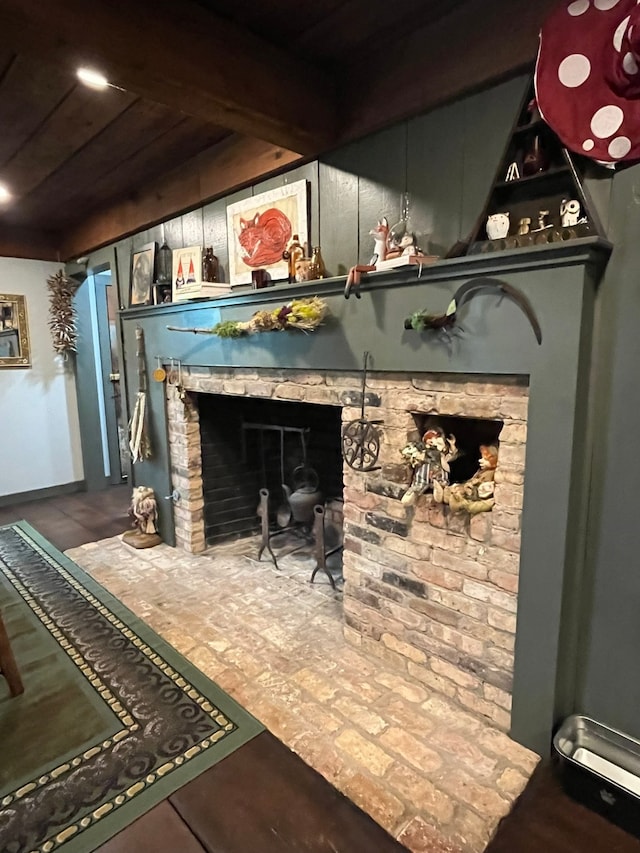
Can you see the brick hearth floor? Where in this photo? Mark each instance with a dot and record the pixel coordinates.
(435, 776)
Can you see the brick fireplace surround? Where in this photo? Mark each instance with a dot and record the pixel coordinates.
(436, 594)
(432, 592)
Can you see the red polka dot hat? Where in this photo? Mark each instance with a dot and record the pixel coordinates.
(587, 77)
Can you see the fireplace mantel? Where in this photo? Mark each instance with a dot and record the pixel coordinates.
(497, 337)
(560, 281)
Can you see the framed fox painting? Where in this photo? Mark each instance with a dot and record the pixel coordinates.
(259, 229)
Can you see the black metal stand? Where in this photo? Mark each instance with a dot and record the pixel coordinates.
(314, 536)
(267, 534)
(263, 512)
(319, 546)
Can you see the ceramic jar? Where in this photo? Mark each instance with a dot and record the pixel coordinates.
(497, 226)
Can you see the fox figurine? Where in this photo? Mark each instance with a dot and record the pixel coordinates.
(380, 234)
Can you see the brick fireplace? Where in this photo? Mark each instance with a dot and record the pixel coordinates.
(432, 591)
(436, 593)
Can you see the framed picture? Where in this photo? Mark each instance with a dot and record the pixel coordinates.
(259, 228)
(187, 273)
(161, 294)
(142, 269)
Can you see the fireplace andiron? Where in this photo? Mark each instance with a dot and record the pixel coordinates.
(360, 438)
(313, 534)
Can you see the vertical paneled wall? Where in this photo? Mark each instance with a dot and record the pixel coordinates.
(445, 160)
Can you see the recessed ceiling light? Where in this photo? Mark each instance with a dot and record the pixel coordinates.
(92, 79)
(5, 195)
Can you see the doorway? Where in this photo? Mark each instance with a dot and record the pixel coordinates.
(103, 425)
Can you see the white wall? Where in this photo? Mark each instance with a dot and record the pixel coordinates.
(39, 431)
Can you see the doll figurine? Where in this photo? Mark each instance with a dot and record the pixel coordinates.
(476, 495)
(430, 458)
(144, 512)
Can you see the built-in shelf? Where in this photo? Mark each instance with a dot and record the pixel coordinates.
(548, 174)
(538, 198)
(539, 124)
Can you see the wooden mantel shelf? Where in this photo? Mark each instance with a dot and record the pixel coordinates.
(585, 250)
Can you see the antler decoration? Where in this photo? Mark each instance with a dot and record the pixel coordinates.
(421, 320)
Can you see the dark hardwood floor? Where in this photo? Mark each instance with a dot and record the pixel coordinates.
(263, 798)
(72, 520)
(546, 820)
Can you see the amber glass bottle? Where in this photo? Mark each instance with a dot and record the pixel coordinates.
(209, 266)
(318, 269)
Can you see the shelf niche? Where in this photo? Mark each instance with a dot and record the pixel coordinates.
(527, 184)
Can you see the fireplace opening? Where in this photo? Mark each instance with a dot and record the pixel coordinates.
(250, 444)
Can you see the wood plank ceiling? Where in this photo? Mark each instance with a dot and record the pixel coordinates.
(212, 95)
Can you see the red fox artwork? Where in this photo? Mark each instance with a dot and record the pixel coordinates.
(260, 227)
(264, 238)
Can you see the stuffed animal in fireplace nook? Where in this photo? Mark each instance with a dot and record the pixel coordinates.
(476, 495)
(430, 458)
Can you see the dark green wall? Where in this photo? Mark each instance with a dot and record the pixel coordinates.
(446, 160)
(609, 685)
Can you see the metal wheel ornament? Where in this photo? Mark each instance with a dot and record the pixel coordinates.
(360, 438)
(361, 445)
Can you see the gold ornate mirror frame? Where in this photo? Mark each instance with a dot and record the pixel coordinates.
(15, 350)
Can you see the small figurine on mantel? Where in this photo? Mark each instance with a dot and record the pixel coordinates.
(569, 212)
(144, 512)
(293, 254)
(392, 248)
(476, 495)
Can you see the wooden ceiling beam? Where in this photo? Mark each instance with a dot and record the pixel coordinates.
(28, 243)
(234, 162)
(183, 56)
(478, 43)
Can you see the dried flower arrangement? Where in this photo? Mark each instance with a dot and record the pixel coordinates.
(303, 314)
(62, 314)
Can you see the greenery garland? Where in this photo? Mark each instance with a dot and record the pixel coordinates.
(303, 314)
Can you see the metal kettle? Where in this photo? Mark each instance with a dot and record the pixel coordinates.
(305, 496)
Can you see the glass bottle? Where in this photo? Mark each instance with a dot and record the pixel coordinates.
(535, 159)
(164, 262)
(401, 235)
(318, 269)
(209, 266)
(292, 254)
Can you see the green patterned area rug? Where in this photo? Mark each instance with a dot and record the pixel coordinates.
(112, 719)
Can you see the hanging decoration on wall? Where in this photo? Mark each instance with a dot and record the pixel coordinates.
(62, 314)
(139, 443)
(302, 314)
(586, 78)
(447, 322)
(360, 437)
